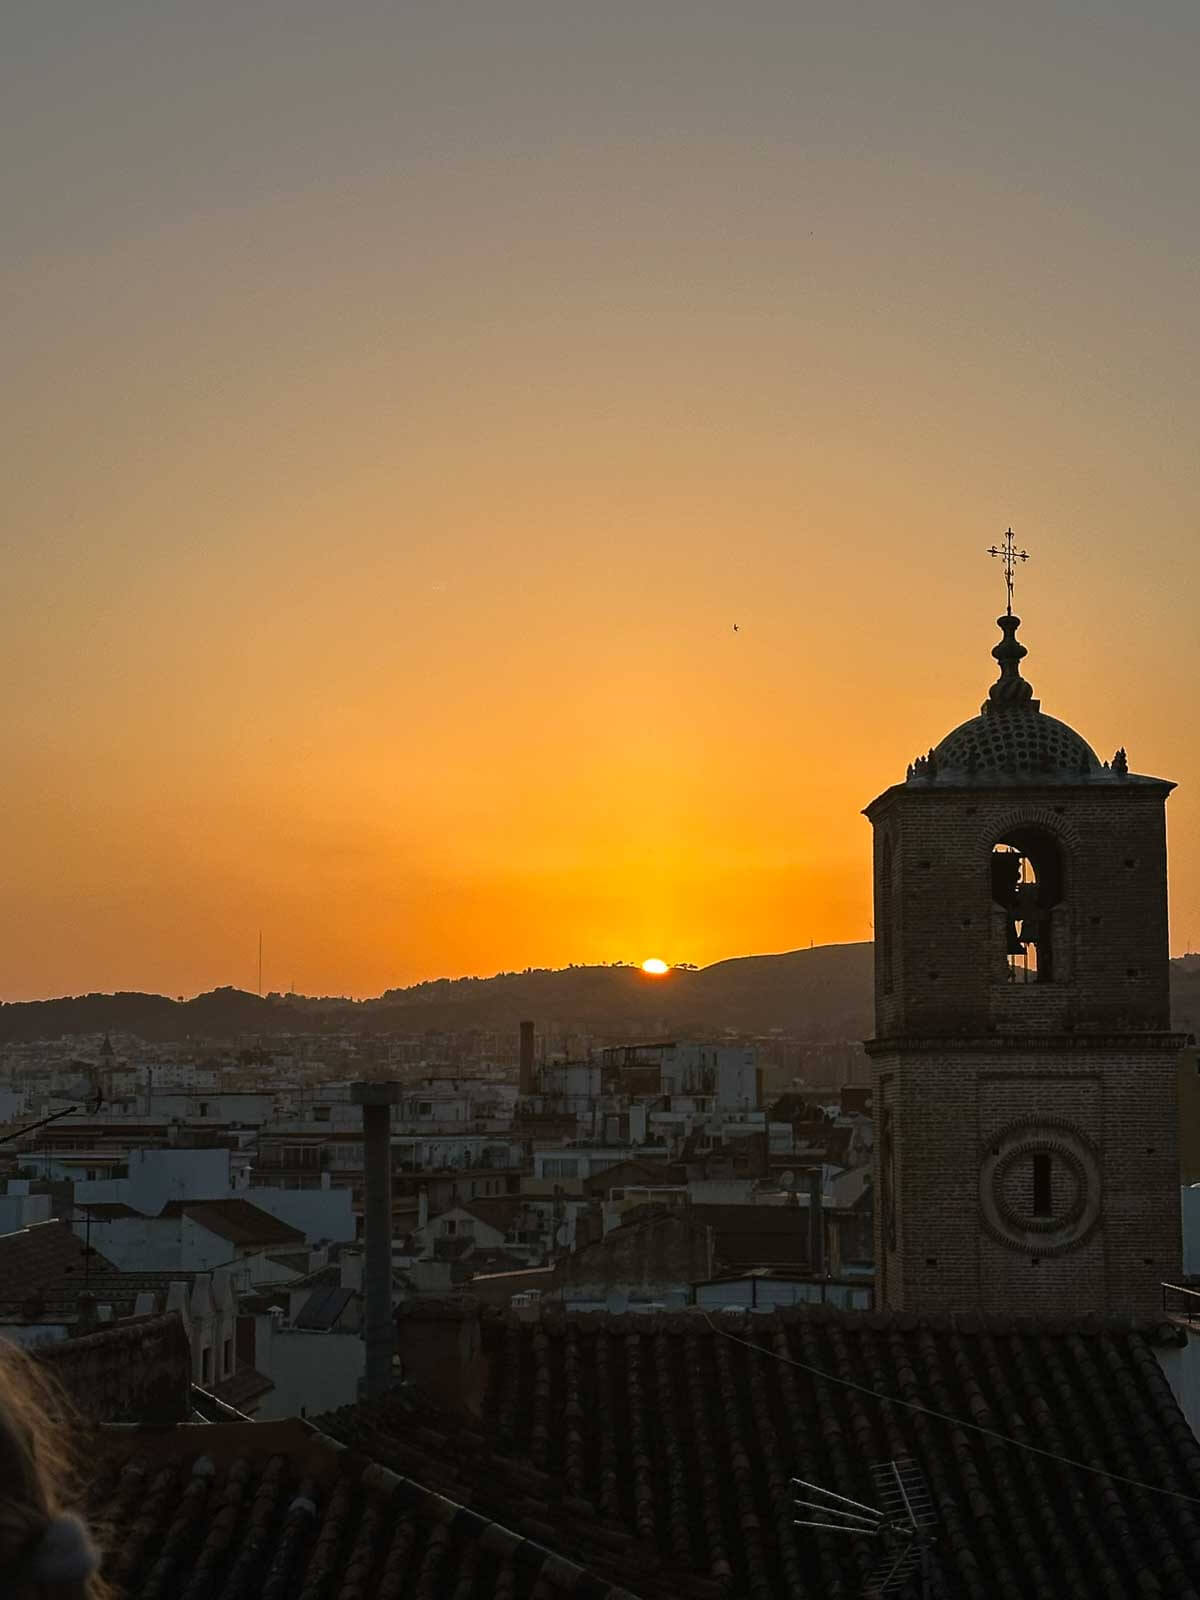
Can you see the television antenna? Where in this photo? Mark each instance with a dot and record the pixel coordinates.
(903, 1524)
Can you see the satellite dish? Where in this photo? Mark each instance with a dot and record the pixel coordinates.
(787, 1180)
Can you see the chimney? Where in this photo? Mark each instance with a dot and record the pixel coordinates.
(377, 1100)
(441, 1342)
(816, 1223)
(525, 1083)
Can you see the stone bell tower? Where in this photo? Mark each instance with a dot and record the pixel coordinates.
(1024, 1067)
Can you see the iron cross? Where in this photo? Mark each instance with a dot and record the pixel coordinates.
(1010, 558)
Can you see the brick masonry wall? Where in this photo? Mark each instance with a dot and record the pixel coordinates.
(657, 1255)
(975, 1076)
(947, 941)
(948, 1108)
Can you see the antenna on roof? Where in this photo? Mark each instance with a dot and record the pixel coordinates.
(903, 1524)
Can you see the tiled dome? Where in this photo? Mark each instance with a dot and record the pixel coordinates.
(1007, 740)
(1011, 739)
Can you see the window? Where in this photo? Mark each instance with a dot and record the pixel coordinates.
(424, 1108)
(321, 1113)
(1042, 1206)
(202, 1108)
(227, 1358)
(560, 1167)
(206, 1365)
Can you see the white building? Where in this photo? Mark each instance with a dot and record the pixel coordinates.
(576, 1162)
(311, 1371)
(229, 1107)
(159, 1178)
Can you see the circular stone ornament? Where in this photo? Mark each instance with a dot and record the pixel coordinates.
(1006, 1187)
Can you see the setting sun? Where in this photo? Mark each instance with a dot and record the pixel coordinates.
(655, 967)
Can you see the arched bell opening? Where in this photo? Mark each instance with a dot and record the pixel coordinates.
(1027, 884)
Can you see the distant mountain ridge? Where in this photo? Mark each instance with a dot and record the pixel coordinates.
(819, 994)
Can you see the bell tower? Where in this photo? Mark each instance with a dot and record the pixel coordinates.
(1024, 1068)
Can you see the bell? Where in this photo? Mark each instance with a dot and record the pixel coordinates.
(1026, 899)
(1014, 945)
(1029, 930)
(1005, 869)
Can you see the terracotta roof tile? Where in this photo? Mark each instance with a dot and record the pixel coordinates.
(45, 1256)
(245, 1386)
(133, 1372)
(659, 1427)
(276, 1511)
(236, 1220)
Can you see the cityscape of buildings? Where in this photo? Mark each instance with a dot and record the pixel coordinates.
(502, 1317)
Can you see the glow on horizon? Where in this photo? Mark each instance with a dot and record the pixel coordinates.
(655, 967)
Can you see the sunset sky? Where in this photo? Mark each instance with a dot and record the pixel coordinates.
(403, 402)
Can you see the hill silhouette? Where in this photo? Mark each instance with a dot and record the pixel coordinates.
(820, 994)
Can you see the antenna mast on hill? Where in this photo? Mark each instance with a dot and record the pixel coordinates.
(903, 1527)
(260, 963)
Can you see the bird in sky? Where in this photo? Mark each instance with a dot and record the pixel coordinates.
(735, 628)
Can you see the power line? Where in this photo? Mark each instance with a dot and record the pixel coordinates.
(955, 1422)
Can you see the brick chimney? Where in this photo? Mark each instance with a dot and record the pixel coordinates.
(525, 1079)
(377, 1100)
(441, 1348)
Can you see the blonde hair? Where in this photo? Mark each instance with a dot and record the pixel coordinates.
(38, 1478)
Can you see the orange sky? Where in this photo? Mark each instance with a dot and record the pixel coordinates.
(403, 408)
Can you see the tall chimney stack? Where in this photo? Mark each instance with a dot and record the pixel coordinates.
(377, 1100)
(816, 1222)
(525, 1083)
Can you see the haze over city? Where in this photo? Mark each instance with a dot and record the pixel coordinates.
(405, 403)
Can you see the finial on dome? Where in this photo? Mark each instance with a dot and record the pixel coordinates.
(1010, 690)
(1009, 555)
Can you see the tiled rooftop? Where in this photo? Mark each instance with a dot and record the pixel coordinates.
(105, 1285)
(133, 1372)
(460, 1460)
(241, 1390)
(238, 1221)
(44, 1257)
(661, 1430)
(274, 1511)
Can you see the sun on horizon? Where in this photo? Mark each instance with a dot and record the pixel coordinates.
(655, 966)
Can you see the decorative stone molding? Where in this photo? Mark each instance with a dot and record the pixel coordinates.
(1077, 1200)
(1053, 822)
